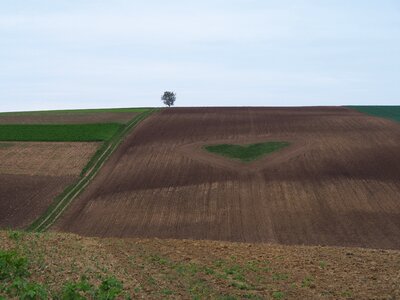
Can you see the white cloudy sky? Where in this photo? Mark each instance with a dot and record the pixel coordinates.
(123, 53)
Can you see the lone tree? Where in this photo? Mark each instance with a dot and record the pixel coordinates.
(169, 98)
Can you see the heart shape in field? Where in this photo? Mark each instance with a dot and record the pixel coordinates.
(246, 153)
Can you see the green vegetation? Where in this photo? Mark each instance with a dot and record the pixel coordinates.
(110, 288)
(74, 111)
(246, 153)
(278, 295)
(58, 132)
(279, 276)
(50, 266)
(346, 294)
(54, 265)
(88, 173)
(307, 282)
(322, 264)
(53, 268)
(199, 279)
(15, 282)
(389, 112)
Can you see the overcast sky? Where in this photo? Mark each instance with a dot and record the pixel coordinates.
(58, 54)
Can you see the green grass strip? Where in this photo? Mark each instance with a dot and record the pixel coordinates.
(59, 132)
(246, 153)
(388, 112)
(60, 204)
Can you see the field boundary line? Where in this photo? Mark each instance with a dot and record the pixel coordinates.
(60, 204)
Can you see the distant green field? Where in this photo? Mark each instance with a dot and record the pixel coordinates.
(58, 132)
(389, 112)
(75, 111)
(246, 153)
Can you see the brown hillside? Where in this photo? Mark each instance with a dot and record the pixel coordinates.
(338, 183)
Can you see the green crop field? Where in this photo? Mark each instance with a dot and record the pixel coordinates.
(58, 132)
(389, 112)
(74, 111)
(246, 153)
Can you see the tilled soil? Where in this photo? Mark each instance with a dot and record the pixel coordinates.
(337, 184)
(33, 174)
(23, 198)
(185, 269)
(45, 158)
(68, 118)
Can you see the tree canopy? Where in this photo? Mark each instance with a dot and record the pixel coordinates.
(169, 98)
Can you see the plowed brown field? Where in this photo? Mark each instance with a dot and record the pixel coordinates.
(68, 118)
(33, 174)
(45, 159)
(337, 184)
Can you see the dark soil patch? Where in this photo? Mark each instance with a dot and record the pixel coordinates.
(24, 198)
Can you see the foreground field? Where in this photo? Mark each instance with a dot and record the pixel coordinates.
(183, 269)
(338, 182)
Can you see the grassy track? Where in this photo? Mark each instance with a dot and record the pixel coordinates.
(89, 172)
(75, 111)
(388, 112)
(246, 153)
(59, 132)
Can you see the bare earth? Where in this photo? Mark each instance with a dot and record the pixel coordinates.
(184, 269)
(33, 174)
(337, 184)
(45, 159)
(68, 118)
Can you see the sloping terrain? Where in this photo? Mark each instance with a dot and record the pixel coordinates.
(36, 178)
(70, 117)
(389, 112)
(45, 159)
(33, 174)
(340, 186)
(183, 269)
